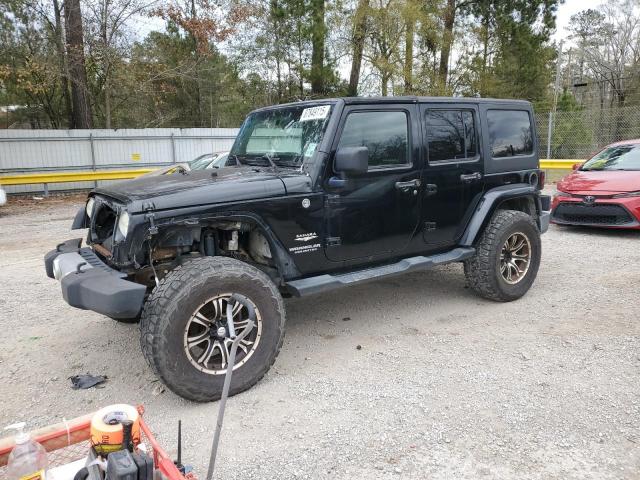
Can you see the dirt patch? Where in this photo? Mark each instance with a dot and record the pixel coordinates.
(19, 204)
(445, 385)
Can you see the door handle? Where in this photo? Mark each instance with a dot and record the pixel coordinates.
(405, 185)
(470, 177)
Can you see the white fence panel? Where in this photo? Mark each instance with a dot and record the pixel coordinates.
(24, 151)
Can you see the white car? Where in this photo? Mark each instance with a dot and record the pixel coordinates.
(203, 162)
(3, 196)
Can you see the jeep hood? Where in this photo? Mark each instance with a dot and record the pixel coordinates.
(203, 187)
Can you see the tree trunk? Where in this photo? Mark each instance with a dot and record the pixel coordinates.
(485, 54)
(449, 17)
(278, 66)
(276, 28)
(106, 67)
(300, 60)
(359, 33)
(317, 44)
(62, 59)
(408, 56)
(107, 101)
(82, 117)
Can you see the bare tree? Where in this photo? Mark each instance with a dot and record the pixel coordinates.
(386, 37)
(107, 20)
(613, 55)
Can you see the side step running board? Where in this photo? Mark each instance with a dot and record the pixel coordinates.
(323, 283)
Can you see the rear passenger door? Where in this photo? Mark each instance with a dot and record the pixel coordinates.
(453, 172)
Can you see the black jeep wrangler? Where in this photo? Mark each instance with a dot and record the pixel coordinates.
(319, 195)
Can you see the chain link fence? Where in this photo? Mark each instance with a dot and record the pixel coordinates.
(580, 133)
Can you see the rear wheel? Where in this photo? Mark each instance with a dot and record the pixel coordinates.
(184, 330)
(507, 257)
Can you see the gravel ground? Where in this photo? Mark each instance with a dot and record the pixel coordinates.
(413, 377)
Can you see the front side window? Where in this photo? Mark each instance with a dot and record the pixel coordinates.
(510, 133)
(286, 136)
(451, 135)
(385, 134)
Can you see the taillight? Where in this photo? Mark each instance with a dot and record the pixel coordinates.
(541, 178)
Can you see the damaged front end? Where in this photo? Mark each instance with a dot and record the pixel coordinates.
(86, 274)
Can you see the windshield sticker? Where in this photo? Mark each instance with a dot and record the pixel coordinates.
(310, 149)
(315, 113)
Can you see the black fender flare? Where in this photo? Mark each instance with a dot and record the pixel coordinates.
(284, 263)
(490, 202)
(80, 219)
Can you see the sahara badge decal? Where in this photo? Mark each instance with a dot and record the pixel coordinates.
(305, 237)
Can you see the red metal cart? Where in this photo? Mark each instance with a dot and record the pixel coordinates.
(69, 441)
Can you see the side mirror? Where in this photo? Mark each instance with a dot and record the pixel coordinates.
(352, 160)
(576, 166)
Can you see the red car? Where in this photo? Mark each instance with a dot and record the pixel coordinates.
(604, 191)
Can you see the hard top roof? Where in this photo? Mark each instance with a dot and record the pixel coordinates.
(401, 99)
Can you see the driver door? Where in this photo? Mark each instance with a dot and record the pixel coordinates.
(375, 213)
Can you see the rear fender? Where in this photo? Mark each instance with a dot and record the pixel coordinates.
(527, 196)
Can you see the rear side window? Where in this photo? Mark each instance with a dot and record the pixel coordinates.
(510, 133)
(385, 134)
(451, 135)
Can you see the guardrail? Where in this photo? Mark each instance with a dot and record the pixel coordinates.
(65, 177)
(563, 164)
(92, 176)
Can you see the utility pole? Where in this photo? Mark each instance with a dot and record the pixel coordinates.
(555, 100)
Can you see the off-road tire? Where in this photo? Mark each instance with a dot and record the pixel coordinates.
(483, 269)
(170, 306)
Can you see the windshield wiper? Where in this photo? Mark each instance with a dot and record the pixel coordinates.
(235, 157)
(252, 160)
(270, 160)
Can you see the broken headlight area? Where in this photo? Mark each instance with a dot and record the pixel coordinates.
(109, 225)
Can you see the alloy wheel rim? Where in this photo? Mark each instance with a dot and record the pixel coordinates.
(206, 341)
(515, 258)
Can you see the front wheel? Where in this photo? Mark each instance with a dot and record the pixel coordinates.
(507, 257)
(184, 330)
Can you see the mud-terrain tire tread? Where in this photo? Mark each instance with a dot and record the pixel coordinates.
(480, 270)
(164, 300)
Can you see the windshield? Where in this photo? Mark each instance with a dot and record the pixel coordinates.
(622, 157)
(283, 136)
(201, 162)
